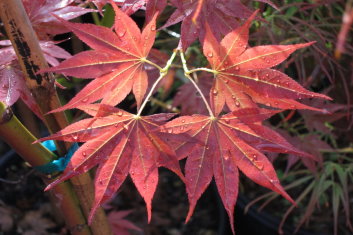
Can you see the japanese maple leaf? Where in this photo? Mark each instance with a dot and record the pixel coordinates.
(120, 143)
(158, 57)
(128, 6)
(187, 92)
(311, 144)
(220, 146)
(222, 15)
(121, 226)
(12, 81)
(116, 61)
(40, 14)
(239, 67)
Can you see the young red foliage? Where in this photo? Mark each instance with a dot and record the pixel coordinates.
(239, 67)
(120, 143)
(121, 226)
(217, 145)
(221, 15)
(12, 82)
(127, 6)
(40, 14)
(187, 92)
(220, 146)
(117, 61)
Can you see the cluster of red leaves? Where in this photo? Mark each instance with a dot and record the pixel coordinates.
(40, 13)
(217, 145)
(222, 15)
(12, 82)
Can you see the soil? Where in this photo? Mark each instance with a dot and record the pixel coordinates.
(26, 209)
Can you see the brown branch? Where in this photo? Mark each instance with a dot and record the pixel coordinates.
(31, 59)
(20, 139)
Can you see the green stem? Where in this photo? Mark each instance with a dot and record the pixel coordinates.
(168, 107)
(162, 73)
(203, 69)
(152, 63)
(95, 16)
(20, 139)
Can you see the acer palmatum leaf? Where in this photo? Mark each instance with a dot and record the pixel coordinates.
(12, 82)
(239, 67)
(120, 143)
(188, 92)
(116, 61)
(218, 147)
(121, 226)
(222, 15)
(40, 14)
(128, 6)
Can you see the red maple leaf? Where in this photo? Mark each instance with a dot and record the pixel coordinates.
(218, 147)
(40, 14)
(121, 226)
(222, 15)
(117, 61)
(131, 6)
(240, 69)
(187, 92)
(127, 6)
(12, 82)
(121, 143)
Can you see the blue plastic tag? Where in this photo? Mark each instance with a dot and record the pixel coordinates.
(57, 165)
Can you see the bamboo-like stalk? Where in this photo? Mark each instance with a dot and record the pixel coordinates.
(31, 59)
(19, 138)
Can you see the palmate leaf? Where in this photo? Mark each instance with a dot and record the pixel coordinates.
(116, 61)
(40, 13)
(12, 82)
(218, 147)
(128, 6)
(120, 225)
(222, 15)
(248, 69)
(121, 144)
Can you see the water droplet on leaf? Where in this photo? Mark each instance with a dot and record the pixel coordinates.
(121, 33)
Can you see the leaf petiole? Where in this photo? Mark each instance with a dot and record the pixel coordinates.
(151, 63)
(187, 74)
(203, 69)
(162, 73)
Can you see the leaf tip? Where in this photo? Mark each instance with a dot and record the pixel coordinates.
(190, 212)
